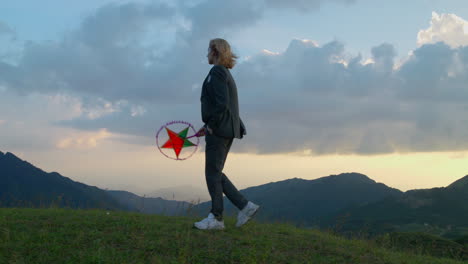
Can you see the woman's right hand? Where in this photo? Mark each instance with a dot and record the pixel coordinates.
(201, 132)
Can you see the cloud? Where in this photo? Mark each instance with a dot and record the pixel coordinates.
(383, 57)
(303, 5)
(5, 29)
(307, 99)
(83, 141)
(27, 119)
(9, 49)
(448, 28)
(310, 98)
(105, 57)
(212, 17)
(435, 73)
(141, 52)
(2, 122)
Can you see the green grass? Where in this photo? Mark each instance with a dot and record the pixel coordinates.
(424, 243)
(93, 236)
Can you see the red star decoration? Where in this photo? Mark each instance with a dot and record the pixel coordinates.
(177, 141)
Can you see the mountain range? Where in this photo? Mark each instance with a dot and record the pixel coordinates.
(150, 205)
(24, 185)
(302, 201)
(442, 211)
(348, 202)
(187, 193)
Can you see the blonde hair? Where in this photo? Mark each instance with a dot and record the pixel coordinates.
(222, 50)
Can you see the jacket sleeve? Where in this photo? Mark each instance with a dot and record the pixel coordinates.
(243, 129)
(219, 90)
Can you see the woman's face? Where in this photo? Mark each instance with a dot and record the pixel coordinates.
(210, 56)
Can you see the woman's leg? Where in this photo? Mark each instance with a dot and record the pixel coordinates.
(215, 155)
(233, 194)
(229, 189)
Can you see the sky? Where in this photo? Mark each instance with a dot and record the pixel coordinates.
(325, 87)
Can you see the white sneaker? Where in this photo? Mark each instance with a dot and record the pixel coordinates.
(246, 213)
(209, 223)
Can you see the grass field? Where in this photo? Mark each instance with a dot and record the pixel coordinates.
(98, 236)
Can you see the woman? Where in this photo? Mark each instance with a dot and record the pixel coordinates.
(220, 113)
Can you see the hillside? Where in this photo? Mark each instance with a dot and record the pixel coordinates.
(440, 211)
(460, 184)
(99, 236)
(22, 184)
(150, 205)
(303, 201)
(184, 192)
(350, 202)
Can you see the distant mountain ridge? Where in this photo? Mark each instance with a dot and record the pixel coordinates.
(351, 200)
(303, 201)
(442, 211)
(353, 203)
(24, 185)
(187, 193)
(461, 183)
(150, 205)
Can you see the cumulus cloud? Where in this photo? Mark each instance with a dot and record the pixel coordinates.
(310, 98)
(448, 28)
(435, 73)
(89, 140)
(383, 57)
(105, 57)
(307, 99)
(117, 54)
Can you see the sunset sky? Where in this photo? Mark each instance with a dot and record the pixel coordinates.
(325, 87)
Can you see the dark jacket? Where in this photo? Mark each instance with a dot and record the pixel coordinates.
(219, 104)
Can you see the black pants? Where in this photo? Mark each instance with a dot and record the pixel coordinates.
(216, 151)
